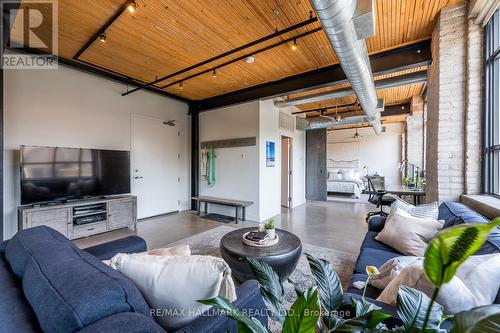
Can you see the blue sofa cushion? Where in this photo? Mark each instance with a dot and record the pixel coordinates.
(16, 314)
(19, 249)
(373, 257)
(454, 213)
(376, 223)
(371, 291)
(106, 251)
(129, 322)
(66, 287)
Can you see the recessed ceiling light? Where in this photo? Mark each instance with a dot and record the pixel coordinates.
(250, 60)
(132, 6)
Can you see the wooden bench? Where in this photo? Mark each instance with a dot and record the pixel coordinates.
(237, 204)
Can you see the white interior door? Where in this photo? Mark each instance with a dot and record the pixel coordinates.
(154, 166)
(285, 172)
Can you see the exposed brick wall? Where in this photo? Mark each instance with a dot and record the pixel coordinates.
(415, 133)
(473, 108)
(445, 163)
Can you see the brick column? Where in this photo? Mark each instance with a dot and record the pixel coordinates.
(474, 108)
(445, 165)
(415, 133)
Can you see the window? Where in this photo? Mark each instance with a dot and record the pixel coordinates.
(492, 106)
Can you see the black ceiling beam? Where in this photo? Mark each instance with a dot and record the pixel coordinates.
(232, 61)
(99, 71)
(225, 54)
(103, 29)
(395, 60)
(396, 110)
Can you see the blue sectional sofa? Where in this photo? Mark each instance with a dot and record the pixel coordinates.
(376, 253)
(48, 284)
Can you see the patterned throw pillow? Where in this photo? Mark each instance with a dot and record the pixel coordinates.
(430, 210)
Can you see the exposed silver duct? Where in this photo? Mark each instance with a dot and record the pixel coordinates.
(306, 124)
(397, 81)
(338, 19)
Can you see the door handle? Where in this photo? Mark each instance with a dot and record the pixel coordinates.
(138, 177)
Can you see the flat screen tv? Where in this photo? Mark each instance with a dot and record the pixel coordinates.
(56, 174)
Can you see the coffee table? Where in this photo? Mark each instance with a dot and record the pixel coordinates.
(282, 257)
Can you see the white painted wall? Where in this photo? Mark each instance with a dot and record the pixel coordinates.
(237, 171)
(66, 107)
(270, 177)
(298, 161)
(380, 154)
(241, 173)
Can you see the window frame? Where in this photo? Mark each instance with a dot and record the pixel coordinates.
(491, 117)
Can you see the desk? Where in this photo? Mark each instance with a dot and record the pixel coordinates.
(417, 194)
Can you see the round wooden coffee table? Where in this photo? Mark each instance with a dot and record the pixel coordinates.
(282, 257)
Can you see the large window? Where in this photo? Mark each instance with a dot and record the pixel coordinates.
(492, 105)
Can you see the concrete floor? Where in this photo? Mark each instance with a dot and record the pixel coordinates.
(332, 224)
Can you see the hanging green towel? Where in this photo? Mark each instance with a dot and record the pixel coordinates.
(211, 167)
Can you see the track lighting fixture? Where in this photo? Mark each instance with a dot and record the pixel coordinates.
(214, 74)
(181, 85)
(102, 37)
(294, 45)
(132, 6)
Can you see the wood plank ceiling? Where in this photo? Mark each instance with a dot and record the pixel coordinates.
(164, 36)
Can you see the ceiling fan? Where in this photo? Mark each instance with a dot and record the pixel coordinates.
(356, 135)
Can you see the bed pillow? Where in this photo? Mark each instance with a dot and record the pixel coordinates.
(475, 284)
(174, 284)
(408, 234)
(430, 210)
(391, 269)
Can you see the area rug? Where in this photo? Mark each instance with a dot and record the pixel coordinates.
(207, 243)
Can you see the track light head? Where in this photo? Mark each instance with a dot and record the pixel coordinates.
(102, 37)
(294, 45)
(132, 7)
(181, 85)
(214, 74)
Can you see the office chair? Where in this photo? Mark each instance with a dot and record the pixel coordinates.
(377, 198)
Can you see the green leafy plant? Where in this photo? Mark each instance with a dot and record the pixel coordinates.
(315, 309)
(269, 224)
(448, 250)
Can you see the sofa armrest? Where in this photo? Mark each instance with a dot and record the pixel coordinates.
(376, 223)
(249, 301)
(130, 322)
(130, 244)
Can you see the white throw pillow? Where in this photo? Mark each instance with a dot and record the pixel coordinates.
(172, 285)
(407, 234)
(391, 269)
(180, 250)
(430, 210)
(475, 284)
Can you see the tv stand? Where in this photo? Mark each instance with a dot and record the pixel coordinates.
(82, 218)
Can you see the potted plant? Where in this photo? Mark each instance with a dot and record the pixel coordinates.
(270, 229)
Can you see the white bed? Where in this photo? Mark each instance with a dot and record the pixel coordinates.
(345, 177)
(349, 186)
